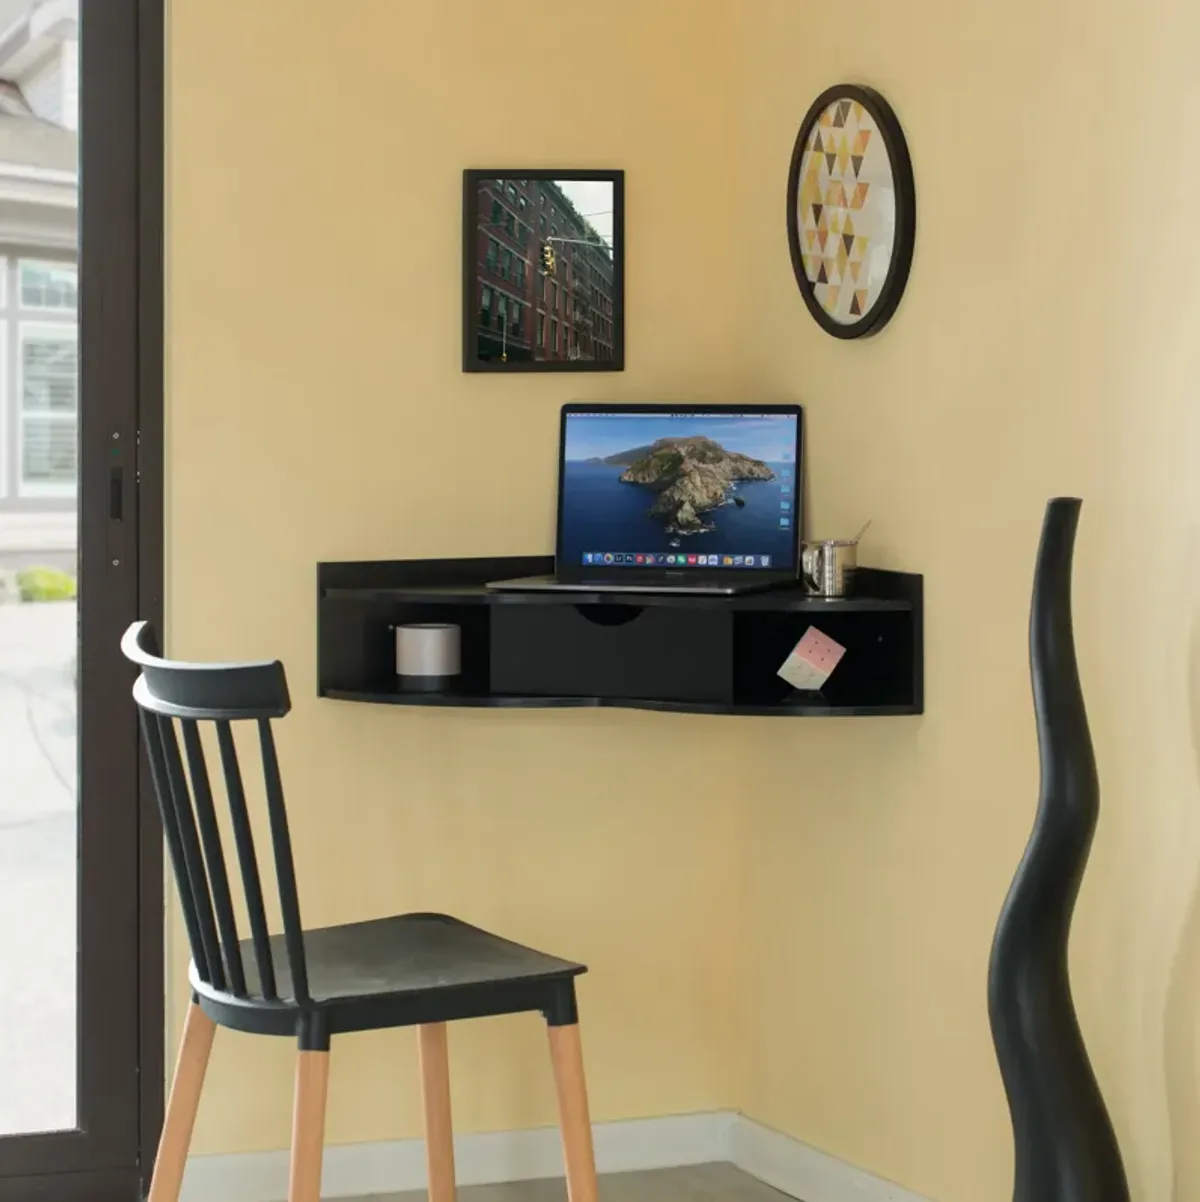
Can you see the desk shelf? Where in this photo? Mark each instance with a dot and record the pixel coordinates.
(650, 651)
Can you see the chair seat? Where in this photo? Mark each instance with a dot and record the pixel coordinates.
(398, 971)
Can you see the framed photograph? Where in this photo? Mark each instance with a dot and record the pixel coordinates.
(543, 270)
(851, 211)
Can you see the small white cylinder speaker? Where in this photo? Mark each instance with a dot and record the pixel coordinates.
(428, 655)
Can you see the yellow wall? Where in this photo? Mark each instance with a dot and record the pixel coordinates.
(852, 869)
(315, 167)
(1046, 345)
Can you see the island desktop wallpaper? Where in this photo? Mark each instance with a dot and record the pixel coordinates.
(679, 490)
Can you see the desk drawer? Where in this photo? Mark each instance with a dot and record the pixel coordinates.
(612, 651)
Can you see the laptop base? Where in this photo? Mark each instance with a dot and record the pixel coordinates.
(697, 587)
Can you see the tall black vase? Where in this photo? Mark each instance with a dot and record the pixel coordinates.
(1065, 1147)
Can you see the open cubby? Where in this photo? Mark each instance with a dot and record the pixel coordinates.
(703, 654)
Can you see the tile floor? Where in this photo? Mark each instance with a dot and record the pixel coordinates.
(698, 1183)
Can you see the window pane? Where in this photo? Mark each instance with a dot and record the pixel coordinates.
(49, 381)
(49, 397)
(39, 645)
(46, 285)
(48, 449)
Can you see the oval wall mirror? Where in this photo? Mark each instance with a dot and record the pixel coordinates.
(851, 211)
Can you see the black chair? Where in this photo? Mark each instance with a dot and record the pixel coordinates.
(421, 970)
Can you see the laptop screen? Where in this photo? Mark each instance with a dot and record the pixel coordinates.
(680, 489)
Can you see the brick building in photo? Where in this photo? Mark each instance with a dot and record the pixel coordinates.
(523, 311)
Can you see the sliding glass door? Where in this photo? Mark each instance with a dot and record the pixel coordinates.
(78, 393)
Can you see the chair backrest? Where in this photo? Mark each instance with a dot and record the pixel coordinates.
(170, 694)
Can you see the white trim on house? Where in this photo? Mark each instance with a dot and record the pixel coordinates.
(38, 208)
(356, 1170)
(42, 175)
(6, 485)
(32, 231)
(37, 34)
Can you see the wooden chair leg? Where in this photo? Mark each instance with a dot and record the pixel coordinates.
(308, 1126)
(435, 1096)
(566, 1053)
(198, 1031)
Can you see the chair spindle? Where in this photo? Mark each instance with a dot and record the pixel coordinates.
(285, 871)
(214, 854)
(197, 877)
(247, 859)
(162, 790)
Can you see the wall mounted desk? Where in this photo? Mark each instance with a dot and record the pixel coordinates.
(688, 654)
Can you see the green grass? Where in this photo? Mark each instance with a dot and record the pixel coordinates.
(45, 584)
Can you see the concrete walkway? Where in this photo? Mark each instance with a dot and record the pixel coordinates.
(37, 711)
(38, 867)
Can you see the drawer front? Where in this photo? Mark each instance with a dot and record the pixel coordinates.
(612, 651)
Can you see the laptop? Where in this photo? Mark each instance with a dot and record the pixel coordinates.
(676, 498)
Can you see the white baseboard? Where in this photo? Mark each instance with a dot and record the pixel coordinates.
(353, 1170)
(803, 1172)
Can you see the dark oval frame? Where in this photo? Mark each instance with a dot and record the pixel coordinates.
(885, 119)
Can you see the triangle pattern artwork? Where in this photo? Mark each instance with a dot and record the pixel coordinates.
(846, 210)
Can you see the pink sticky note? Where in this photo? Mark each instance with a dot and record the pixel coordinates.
(812, 660)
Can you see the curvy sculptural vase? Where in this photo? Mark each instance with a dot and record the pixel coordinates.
(1065, 1147)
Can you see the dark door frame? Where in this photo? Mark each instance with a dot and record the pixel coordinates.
(151, 54)
(121, 1029)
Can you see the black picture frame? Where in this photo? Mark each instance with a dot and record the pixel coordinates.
(604, 341)
(884, 308)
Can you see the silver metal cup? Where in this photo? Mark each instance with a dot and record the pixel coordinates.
(828, 568)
